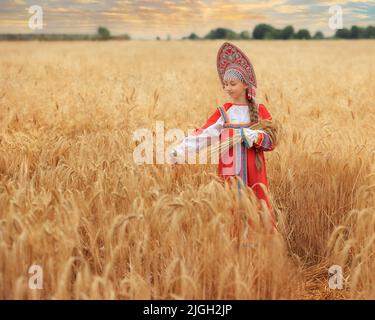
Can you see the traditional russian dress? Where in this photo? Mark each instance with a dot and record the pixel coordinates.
(228, 119)
(219, 125)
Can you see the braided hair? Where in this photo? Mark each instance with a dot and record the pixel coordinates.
(254, 118)
(253, 108)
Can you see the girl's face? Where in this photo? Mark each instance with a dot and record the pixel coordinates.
(235, 88)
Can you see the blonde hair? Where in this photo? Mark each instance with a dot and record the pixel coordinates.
(272, 128)
(253, 108)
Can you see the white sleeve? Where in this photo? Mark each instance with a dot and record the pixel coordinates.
(249, 136)
(193, 143)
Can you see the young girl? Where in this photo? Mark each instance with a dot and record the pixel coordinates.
(242, 117)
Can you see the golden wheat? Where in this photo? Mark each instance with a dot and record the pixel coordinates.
(73, 201)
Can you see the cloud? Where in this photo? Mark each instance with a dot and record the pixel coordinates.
(148, 18)
(286, 8)
(332, 2)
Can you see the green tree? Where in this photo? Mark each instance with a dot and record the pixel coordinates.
(245, 35)
(318, 35)
(263, 31)
(287, 33)
(303, 34)
(103, 33)
(369, 32)
(222, 33)
(193, 36)
(342, 33)
(277, 34)
(355, 32)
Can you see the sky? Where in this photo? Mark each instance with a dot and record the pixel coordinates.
(146, 19)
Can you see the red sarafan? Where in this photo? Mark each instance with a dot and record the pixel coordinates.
(220, 120)
(241, 118)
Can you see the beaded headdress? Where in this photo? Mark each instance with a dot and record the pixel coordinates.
(232, 63)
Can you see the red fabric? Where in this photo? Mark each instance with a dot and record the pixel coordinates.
(263, 112)
(254, 176)
(211, 120)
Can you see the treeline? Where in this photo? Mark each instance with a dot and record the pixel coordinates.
(102, 34)
(356, 33)
(260, 32)
(266, 31)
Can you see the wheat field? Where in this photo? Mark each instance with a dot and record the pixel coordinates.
(73, 201)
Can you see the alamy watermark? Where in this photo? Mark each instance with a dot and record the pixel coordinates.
(36, 20)
(151, 142)
(335, 22)
(36, 278)
(336, 278)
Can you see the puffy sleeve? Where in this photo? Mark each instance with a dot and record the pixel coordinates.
(201, 137)
(263, 140)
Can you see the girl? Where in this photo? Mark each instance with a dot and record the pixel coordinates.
(243, 117)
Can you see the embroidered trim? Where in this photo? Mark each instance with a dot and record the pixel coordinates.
(237, 125)
(223, 114)
(231, 57)
(263, 141)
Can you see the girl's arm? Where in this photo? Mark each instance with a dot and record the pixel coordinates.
(263, 142)
(259, 139)
(202, 136)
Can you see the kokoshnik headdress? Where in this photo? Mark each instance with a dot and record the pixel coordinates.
(232, 63)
